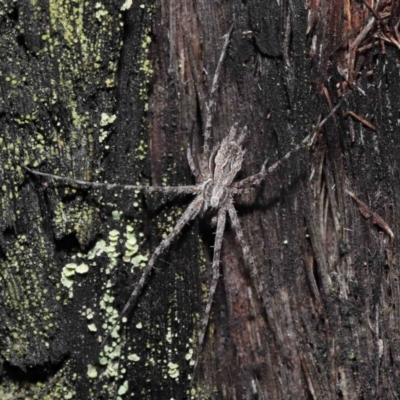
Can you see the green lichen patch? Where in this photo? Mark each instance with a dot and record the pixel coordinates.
(123, 388)
(116, 215)
(109, 249)
(30, 322)
(68, 275)
(131, 244)
(82, 268)
(133, 357)
(189, 355)
(76, 218)
(139, 325)
(92, 372)
(173, 370)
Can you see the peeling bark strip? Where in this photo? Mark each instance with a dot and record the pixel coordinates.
(113, 92)
(367, 213)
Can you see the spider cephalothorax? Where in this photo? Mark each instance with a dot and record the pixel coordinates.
(225, 162)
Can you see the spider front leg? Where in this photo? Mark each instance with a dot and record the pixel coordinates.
(211, 102)
(256, 179)
(196, 173)
(215, 275)
(190, 213)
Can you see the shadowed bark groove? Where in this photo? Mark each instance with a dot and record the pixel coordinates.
(114, 91)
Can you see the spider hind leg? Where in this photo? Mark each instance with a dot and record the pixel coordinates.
(219, 234)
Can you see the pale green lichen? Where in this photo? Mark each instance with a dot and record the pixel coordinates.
(127, 5)
(131, 245)
(109, 357)
(82, 268)
(123, 388)
(97, 250)
(116, 215)
(106, 119)
(92, 371)
(189, 355)
(89, 314)
(141, 150)
(133, 357)
(68, 273)
(139, 261)
(168, 336)
(103, 361)
(173, 370)
(59, 387)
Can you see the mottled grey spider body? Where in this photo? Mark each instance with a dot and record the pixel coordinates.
(223, 165)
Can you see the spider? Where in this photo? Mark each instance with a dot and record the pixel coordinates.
(215, 190)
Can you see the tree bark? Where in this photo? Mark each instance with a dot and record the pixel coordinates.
(114, 92)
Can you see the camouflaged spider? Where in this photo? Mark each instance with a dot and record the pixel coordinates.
(214, 190)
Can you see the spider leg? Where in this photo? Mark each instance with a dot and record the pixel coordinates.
(211, 102)
(147, 189)
(215, 268)
(247, 256)
(196, 173)
(191, 212)
(256, 179)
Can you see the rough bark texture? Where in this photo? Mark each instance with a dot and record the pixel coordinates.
(92, 92)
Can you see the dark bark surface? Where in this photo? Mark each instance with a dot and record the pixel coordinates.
(92, 92)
